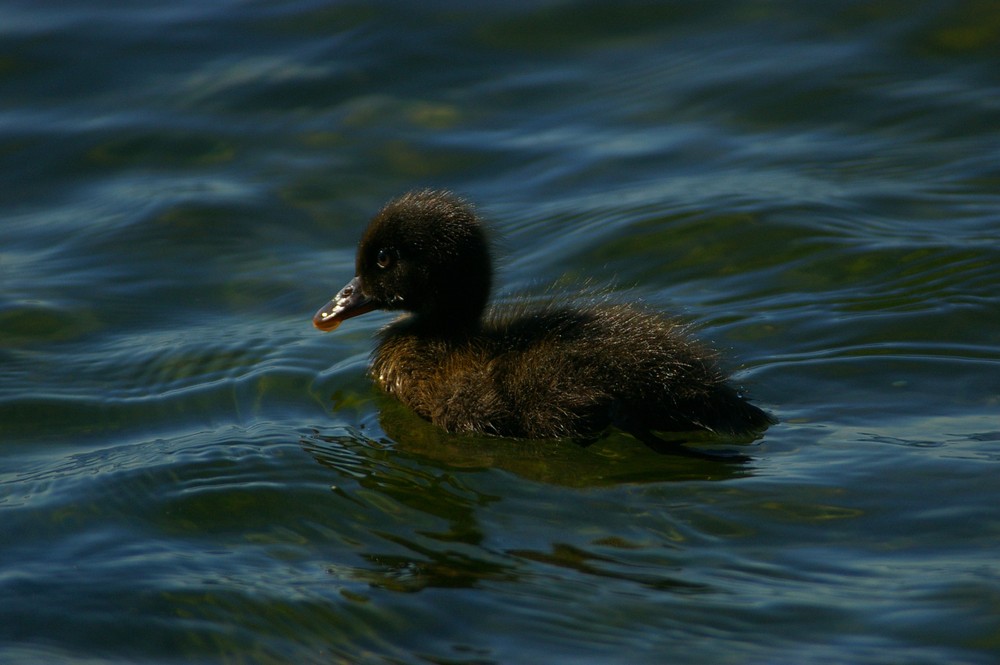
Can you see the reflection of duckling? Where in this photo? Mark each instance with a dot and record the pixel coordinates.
(549, 372)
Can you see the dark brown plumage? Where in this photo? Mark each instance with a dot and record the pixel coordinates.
(545, 372)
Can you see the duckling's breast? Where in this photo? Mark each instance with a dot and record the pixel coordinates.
(446, 381)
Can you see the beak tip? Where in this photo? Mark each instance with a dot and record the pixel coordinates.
(325, 321)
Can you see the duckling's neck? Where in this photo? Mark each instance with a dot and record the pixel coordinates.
(438, 325)
(456, 313)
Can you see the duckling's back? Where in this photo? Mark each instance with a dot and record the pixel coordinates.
(564, 372)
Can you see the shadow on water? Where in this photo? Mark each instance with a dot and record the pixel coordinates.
(436, 531)
(613, 459)
(430, 496)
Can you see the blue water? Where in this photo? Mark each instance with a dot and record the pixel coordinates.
(191, 473)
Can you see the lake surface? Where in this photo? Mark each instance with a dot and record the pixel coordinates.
(191, 473)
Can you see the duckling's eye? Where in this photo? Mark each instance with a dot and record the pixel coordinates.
(384, 258)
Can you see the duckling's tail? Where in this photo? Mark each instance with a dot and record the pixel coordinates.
(728, 412)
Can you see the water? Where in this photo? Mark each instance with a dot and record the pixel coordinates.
(191, 473)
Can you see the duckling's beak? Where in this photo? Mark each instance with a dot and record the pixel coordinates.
(349, 301)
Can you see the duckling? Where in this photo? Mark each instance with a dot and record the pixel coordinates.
(541, 372)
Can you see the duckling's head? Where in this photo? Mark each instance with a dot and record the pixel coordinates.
(425, 252)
